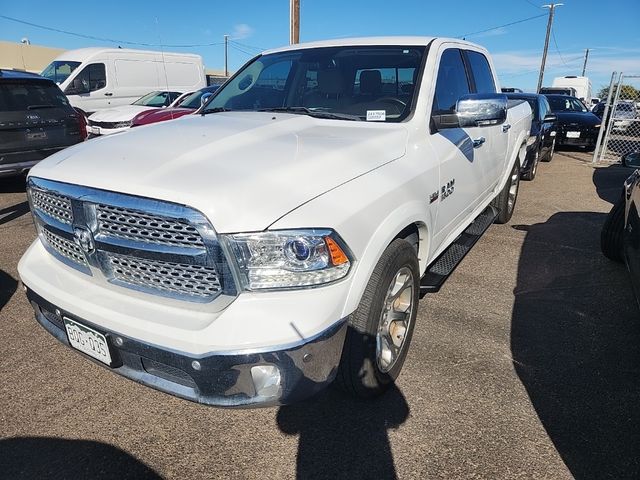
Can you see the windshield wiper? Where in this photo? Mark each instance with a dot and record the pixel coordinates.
(312, 113)
(44, 105)
(215, 110)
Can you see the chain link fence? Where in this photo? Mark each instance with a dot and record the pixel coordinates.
(620, 130)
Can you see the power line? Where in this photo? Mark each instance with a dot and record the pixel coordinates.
(502, 26)
(251, 47)
(532, 4)
(103, 39)
(553, 65)
(235, 47)
(553, 35)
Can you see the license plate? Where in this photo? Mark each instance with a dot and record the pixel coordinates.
(88, 341)
(573, 134)
(37, 136)
(94, 130)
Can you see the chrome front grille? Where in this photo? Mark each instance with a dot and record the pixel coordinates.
(53, 205)
(64, 247)
(136, 225)
(191, 280)
(148, 245)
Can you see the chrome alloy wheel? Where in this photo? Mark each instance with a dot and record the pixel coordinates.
(513, 189)
(395, 319)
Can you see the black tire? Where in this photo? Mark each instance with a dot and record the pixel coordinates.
(612, 232)
(549, 156)
(501, 202)
(359, 373)
(531, 174)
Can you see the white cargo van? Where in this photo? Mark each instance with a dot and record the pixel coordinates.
(99, 78)
(582, 86)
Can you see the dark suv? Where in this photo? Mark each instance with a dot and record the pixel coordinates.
(36, 121)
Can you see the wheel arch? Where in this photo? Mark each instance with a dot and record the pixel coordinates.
(403, 222)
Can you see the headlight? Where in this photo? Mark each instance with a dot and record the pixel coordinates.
(289, 258)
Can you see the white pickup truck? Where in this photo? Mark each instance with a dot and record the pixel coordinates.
(280, 239)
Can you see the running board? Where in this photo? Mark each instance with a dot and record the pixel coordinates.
(438, 272)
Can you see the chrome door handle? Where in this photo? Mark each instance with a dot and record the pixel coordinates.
(477, 142)
(506, 127)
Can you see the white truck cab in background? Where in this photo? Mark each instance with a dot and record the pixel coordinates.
(582, 86)
(98, 78)
(281, 238)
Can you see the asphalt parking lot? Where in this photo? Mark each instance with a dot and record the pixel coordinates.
(525, 365)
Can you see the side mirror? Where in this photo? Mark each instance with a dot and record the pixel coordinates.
(631, 160)
(205, 97)
(482, 109)
(550, 117)
(476, 110)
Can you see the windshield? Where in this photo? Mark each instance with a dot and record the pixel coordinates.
(157, 99)
(566, 104)
(357, 83)
(59, 70)
(193, 100)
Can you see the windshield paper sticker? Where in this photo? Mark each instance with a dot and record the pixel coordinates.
(376, 115)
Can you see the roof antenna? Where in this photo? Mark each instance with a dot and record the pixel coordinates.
(164, 66)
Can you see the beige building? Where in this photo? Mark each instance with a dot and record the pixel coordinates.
(22, 56)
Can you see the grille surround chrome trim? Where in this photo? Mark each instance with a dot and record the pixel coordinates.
(208, 253)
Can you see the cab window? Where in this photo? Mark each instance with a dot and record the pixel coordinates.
(481, 71)
(452, 82)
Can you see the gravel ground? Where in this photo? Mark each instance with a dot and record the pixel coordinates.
(525, 365)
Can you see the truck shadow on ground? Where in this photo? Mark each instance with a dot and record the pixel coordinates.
(574, 340)
(8, 286)
(27, 458)
(14, 211)
(344, 438)
(13, 184)
(609, 181)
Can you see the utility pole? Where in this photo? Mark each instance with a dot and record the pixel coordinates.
(226, 47)
(294, 25)
(586, 57)
(551, 8)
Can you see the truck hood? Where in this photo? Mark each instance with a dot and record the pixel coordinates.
(243, 170)
(119, 114)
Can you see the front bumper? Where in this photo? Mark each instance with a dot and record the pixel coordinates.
(273, 376)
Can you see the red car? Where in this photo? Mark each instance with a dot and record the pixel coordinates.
(189, 105)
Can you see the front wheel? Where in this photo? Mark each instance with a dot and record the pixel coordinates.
(531, 174)
(552, 150)
(381, 328)
(505, 202)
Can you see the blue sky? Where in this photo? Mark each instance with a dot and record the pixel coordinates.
(613, 37)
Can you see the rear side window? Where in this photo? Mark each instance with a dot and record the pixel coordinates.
(481, 72)
(452, 82)
(21, 96)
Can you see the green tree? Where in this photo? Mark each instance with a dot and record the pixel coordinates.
(628, 92)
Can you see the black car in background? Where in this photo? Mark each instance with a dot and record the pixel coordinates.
(36, 121)
(576, 125)
(541, 143)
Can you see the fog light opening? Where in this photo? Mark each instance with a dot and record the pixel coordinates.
(266, 380)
